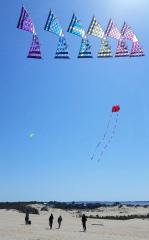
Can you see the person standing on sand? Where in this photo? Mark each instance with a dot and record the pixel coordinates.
(59, 221)
(51, 220)
(84, 219)
(27, 217)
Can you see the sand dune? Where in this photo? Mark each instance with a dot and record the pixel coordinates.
(12, 227)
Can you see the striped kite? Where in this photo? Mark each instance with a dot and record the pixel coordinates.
(122, 49)
(25, 23)
(76, 27)
(85, 49)
(62, 49)
(53, 25)
(34, 51)
(127, 33)
(95, 29)
(105, 49)
(113, 32)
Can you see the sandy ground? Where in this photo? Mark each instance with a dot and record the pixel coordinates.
(12, 226)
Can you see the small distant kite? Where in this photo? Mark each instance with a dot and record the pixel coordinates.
(109, 133)
(31, 135)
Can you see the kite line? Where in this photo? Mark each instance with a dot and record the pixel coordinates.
(109, 133)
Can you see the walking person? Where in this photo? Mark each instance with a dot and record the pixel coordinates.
(27, 217)
(27, 221)
(59, 221)
(51, 218)
(84, 219)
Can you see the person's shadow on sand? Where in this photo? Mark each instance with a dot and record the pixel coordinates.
(47, 228)
(97, 224)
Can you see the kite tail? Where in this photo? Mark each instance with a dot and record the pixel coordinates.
(108, 142)
(104, 136)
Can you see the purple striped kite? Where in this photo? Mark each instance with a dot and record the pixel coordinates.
(128, 33)
(112, 30)
(34, 51)
(137, 50)
(122, 49)
(25, 22)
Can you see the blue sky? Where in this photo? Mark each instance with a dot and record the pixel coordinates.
(66, 103)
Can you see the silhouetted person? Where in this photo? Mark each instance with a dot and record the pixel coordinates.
(27, 221)
(84, 219)
(59, 220)
(51, 220)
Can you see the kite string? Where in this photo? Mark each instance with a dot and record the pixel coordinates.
(107, 144)
(104, 136)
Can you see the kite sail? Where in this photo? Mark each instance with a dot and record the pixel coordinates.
(34, 51)
(25, 21)
(137, 50)
(76, 27)
(95, 29)
(85, 49)
(31, 135)
(115, 108)
(53, 25)
(128, 33)
(109, 133)
(105, 49)
(122, 49)
(62, 49)
(112, 30)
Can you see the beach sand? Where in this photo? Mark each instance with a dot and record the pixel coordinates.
(12, 226)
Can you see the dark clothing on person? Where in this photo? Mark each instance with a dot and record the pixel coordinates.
(27, 218)
(59, 221)
(51, 221)
(84, 219)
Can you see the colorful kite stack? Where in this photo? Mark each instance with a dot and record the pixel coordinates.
(76, 28)
(25, 23)
(53, 26)
(96, 30)
(127, 33)
(113, 32)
